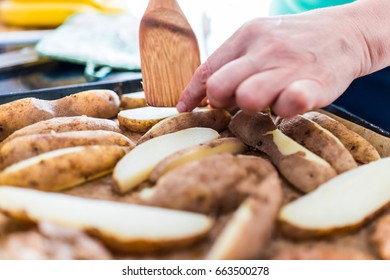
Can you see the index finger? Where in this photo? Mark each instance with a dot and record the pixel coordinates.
(196, 89)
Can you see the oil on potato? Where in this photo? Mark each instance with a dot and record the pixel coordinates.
(27, 146)
(23, 112)
(64, 168)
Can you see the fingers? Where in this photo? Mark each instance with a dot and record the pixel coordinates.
(300, 97)
(195, 91)
(222, 85)
(260, 90)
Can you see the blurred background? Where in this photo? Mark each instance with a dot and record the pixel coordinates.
(46, 43)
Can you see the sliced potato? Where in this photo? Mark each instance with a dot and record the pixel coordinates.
(213, 185)
(123, 227)
(64, 124)
(27, 146)
(23, 112)
(347, 201)
(142, 119)
(137, 165)
(213, 147)
(319, 141)
(248, 232)
(302, 168)
(62, 169)
(133, 100)
(216, 119)
(360, 148)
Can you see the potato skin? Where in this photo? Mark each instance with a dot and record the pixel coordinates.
(27, 146)
(129, 102)
(64, 171)
(201, 187)
(254, 219)
(305, 175)
(321, 142)
(362, 150)
(63, 124)
(20, 113)
(216, 119)
(189, 154)
(140, 126)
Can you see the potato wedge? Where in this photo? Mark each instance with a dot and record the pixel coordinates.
(27, 146)
(20, 113)
(64, 124)
(142, 119)
(319, 141)
(61, 169)
(302, 168)
(380, 237)
(362, 151)
(218, 146)
(123, 227)
(136, 166)
(216, 119)
(200, 186)
(254, 219)
(133, 100)
(345, 202)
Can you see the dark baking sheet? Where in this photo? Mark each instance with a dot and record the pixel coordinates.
(135, 84)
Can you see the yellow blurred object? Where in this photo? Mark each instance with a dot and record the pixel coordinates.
(46, 13)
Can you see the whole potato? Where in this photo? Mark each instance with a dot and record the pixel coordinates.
(20, 113)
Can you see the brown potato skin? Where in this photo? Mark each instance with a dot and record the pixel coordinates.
(216, 119)
(304, 174)
(362, 150)
(325, 145)
(161, 168)
(201, 187)
(263, 204)
(127, 102)
(380, 237)
(27, 146)
(316, 251)
(20, 113)
(65, 171)
(63, 124)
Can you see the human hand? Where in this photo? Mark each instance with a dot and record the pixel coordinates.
(291, 63)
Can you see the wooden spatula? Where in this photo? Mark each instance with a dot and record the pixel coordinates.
(169, 52)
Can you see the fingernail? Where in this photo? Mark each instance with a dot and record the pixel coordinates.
(181, 106)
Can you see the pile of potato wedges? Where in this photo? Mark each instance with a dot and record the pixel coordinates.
(98, 176)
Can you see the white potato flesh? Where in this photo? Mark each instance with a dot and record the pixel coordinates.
(135, 95)
(148, 113)
(344, 201)
(136, 166)
(122, 222)
(218, 146)
(287, 146)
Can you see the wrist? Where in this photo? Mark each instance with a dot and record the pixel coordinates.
(370, 22)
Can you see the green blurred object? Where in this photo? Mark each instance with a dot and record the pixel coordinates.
(284, 7)
(102, 42)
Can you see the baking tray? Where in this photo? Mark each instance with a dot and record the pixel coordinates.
(135, 84)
